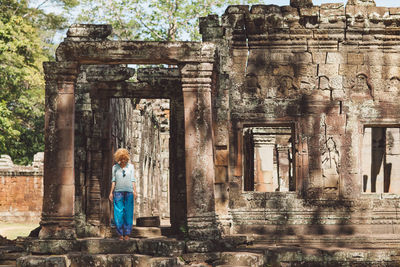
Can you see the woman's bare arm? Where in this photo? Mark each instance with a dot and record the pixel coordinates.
(111, 191)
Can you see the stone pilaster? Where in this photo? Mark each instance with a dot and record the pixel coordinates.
(177, 167)
(200, 171)
(59, 181)
(313, 109)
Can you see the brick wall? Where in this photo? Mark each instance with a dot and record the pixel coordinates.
(21, 190)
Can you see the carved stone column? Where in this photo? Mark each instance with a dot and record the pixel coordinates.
(200, 171)
(59, 181)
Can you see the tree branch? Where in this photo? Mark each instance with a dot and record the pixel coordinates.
(41, 4)
(119, 19)
(151, 30)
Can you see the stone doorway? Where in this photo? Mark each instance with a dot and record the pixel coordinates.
(143, 114)
(143, 127)
(75, 161)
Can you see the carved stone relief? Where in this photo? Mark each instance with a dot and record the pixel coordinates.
(286, 86)
(252, 88)
(393, 85)
(361, 86)
(330, 165)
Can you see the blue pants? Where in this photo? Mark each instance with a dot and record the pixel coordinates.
(123, 212)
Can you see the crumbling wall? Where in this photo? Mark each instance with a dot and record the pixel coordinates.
(21, 190)
(329, 72)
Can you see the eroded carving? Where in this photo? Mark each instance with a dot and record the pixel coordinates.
(286, 86)
(330, 164)
(393, 85)
(361, 86)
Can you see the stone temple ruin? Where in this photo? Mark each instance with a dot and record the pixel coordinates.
(284, 135)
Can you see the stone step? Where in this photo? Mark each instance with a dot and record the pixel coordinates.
(104, 260)
(241, 258)
(159, 247)
(146, 232)
(350, 241)
(9, 255)
(333, 256)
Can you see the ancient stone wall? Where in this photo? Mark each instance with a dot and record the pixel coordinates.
(330, 74)
(21, 190)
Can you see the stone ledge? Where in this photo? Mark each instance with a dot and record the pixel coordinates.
(256, 254)
(82, 259)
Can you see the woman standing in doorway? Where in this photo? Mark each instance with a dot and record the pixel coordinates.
(123, 193)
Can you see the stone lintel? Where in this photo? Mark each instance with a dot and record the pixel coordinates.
(153, 75)
(135, 89)
(108, 73)
(135, 52)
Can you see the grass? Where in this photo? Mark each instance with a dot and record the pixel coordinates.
(13, 230)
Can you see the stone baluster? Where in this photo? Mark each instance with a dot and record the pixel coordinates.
(59, 181)
(200, 171)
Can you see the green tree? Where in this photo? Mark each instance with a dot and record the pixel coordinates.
(21, 85)
(158, 20)
(26, 31)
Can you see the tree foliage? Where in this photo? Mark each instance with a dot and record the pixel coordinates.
(157, 20)
(21, 84)
(26, 32)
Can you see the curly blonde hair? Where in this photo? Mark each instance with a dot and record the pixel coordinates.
(121, 156)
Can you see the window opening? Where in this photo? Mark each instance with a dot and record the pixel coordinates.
(268, 159)
(381, 160)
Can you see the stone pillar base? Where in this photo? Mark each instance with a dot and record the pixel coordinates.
(203, 228)
(57, 231)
